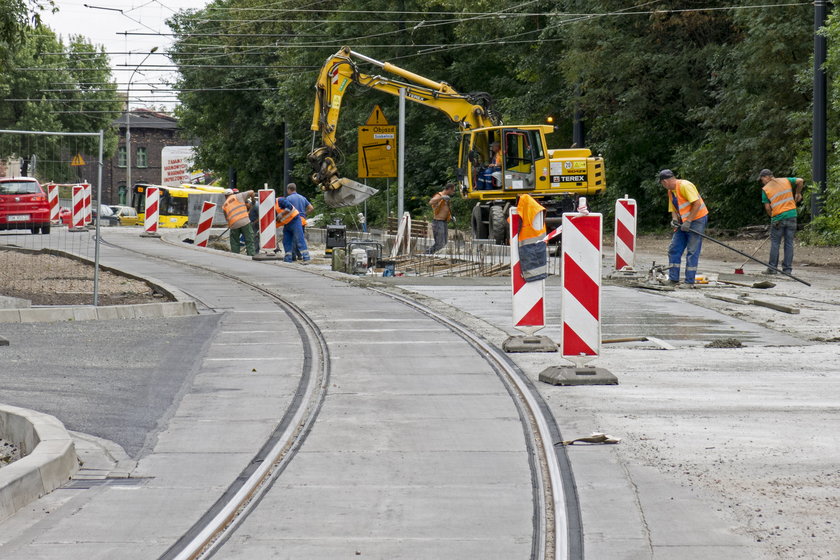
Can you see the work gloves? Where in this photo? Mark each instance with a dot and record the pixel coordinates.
(685, 226)
(675, 224)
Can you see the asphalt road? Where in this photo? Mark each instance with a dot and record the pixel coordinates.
(99, 382)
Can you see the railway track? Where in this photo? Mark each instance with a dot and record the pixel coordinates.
(556, 527)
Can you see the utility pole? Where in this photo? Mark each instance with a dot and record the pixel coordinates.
(818, 151)
(128, 182)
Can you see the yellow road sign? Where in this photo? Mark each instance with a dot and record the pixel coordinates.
(377, 151)
(77, 161)
(377, 116)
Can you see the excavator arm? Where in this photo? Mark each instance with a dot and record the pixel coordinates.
(338, 73)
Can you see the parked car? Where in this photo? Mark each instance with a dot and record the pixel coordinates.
(23, 205)
(126, 214)
(108, 216)
(65, 216)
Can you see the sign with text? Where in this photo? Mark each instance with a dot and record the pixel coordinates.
(175, 165)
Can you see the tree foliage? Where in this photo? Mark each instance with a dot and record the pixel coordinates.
(49, 86)
(715, 94)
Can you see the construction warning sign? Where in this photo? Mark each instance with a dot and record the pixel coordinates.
(377, 147)
(77, 161)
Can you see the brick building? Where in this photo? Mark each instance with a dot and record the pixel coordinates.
(150, 133)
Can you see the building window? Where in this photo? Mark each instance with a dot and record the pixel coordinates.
(121, 157)
(142, 158)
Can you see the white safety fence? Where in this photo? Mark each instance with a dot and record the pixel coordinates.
(65, 160)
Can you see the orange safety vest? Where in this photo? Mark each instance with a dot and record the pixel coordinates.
(285, 216)
(533, 252)
(684, 206)
(779, 192)
(234, 209)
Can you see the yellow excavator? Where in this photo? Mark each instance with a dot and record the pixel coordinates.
(524, 164)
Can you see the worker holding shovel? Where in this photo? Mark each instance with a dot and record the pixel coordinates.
(780, 200)
(689, 216)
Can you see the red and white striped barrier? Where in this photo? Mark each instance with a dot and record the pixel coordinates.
(268, 225)
(52, 199)
(78, 217)
(205, 222)
(581, 294)
(150, 220)
(625, 233)
(528, 297)
(88, 203)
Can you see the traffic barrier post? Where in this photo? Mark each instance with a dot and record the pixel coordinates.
(268, 226)
(52, 200)
(78, 215)
(625, 234)
(528, 303)
(88, 203)
(205, 222)
(152, 213)
(580, 303)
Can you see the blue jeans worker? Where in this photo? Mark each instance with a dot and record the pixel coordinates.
(304, 207)
(294, 240)
(780, 201)
(689, 216)
(235, 209)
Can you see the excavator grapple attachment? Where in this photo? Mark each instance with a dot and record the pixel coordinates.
(347, 192)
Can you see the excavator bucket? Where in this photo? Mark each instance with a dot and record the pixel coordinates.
(350, 193)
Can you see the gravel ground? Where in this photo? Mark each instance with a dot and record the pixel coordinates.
(46, 279)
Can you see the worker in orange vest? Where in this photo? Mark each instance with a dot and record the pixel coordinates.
(294, 240)
(689, 216)
(779, 199)
(235, 208)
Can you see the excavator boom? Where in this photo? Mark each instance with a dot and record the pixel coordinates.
(338, 73)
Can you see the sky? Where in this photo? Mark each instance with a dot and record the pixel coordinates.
(107, 25)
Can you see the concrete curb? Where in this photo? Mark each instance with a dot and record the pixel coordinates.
(90, 313)
(49, 462)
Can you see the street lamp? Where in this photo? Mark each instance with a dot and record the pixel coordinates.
(128, 185)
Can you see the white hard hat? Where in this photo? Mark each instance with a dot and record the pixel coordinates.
(228, 192)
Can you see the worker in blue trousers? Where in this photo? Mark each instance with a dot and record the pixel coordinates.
(293, 238)
(689, 216)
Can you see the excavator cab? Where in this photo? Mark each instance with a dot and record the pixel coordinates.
(522, 152)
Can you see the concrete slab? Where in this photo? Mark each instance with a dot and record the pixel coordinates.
(529, 344)
(570, 375)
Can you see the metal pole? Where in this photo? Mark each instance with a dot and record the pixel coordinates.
(401, 157)
(287, 159)
(129, 185)
(768, 265)
(98, 224)
(818, 151)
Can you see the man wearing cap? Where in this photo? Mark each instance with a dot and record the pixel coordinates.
(235, 208)
(779, 200)
(689, 216)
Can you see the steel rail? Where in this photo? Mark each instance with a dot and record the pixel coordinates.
(557, 534)
(554, 539)
(204, 538)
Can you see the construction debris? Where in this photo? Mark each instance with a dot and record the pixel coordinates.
(595, 438)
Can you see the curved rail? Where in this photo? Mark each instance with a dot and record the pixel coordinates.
(557, 527)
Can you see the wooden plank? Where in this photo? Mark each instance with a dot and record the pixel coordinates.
(776, 306)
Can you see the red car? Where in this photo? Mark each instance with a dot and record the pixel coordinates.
(65, 216)
(23, 205)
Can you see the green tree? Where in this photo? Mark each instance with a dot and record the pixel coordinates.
(48, 86)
